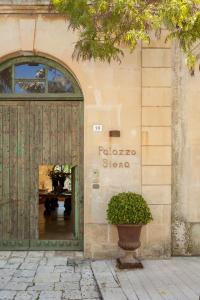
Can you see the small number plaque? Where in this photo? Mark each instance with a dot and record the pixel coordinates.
(97, 128)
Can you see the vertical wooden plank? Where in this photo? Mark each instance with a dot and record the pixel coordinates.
(39, 157)
(13, 172)
(55, 128)
(6, 175)
(46, 134)
(73, 162)
(61, 135)
(73, 187)
(1, 176)
(36, 141)
(68, 134)
(75, 141)
(22, 196)
(38, 115)
(27, 170)
(81, 168)
(34, 173)
(32, 167)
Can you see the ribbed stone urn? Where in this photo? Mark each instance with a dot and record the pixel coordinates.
(129, 240)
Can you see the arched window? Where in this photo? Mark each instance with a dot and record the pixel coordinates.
(29, 76)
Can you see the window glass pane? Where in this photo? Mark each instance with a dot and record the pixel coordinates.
(29, 71)
(58, 82)
(6, 81)
(30, 86)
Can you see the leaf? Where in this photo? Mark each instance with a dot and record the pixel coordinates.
(105, 25)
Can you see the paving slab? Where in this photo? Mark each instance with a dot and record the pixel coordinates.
(109, 287)
(7, 295)
(72, 295)
(89, 292)
(17, 253)
(75, 277)
(54, 295)
(5, 254)
(27, 295)
(46, 277)
(29, 266)
(41, 287)
(67, 286)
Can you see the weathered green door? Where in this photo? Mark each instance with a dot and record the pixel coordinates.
(55, 138)
(14, 175)
(34, 133)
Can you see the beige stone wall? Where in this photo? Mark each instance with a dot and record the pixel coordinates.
(133, 97)
(156, 144)
(186, 158)
(192, 126)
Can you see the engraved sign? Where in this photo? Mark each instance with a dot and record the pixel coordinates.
(110, 153)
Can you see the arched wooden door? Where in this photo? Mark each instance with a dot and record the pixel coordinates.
(37, 128)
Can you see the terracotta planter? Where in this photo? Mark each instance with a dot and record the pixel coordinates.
(129, 240)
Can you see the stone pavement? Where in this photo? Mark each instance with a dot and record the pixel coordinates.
(177, 278)
(55, 275)
(40, 275)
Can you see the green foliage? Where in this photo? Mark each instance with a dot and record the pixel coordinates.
(107, 25)
(128, 208)
(182, 19)
(56, 174)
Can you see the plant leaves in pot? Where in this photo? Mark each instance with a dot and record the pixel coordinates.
(129, 211)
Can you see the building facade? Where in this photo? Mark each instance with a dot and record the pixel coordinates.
(150, 99)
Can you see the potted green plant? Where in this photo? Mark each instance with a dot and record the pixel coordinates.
(129, 211)
(58, 178)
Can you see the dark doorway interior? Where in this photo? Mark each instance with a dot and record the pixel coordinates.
(55, 202)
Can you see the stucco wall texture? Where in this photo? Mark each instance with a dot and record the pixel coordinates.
(133, 97)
